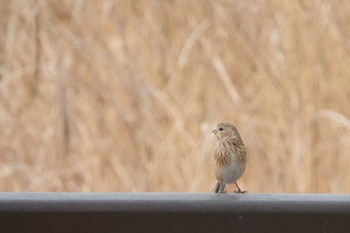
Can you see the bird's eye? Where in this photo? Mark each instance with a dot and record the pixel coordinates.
(221, 129)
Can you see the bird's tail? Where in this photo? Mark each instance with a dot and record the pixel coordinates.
(216, 188)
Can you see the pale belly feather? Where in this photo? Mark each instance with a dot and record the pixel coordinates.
(230, 173)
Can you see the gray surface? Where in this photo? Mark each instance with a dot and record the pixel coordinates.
(173, 212)
(172, 202)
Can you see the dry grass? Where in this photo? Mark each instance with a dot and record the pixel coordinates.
(122, 95)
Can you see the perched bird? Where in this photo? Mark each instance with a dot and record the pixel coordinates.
(230, 157)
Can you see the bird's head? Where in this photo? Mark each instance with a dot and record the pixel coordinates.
(226, 130)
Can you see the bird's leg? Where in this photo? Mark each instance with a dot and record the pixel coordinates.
(239, 190)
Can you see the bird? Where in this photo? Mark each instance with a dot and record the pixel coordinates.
(230, 157)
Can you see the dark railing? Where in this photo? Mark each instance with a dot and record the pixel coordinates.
(173, 212)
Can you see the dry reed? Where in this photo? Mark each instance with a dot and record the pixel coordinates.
(122, 95)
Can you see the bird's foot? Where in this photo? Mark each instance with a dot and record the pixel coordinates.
(240, 191)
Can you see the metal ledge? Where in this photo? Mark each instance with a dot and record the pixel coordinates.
(173, 212)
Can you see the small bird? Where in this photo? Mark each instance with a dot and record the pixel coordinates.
(230, 157)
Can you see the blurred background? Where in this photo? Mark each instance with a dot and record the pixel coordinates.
(109, 96)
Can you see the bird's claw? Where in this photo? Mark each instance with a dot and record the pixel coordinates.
(240, 192)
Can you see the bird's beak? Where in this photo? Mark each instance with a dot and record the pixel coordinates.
(214, 131)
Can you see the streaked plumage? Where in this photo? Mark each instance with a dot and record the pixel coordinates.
(230, 156)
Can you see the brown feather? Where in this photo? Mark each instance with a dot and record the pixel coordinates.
(230, 156)
(228, 146)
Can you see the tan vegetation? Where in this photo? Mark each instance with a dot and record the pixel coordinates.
(109, 96)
